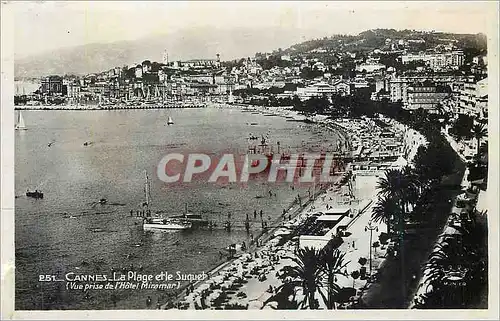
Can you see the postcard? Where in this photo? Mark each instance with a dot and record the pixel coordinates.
(175, 160)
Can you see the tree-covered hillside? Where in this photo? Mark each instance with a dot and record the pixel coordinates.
(380, 38)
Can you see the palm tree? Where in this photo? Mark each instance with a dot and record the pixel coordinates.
(384, 210)
(284, 297)
(402, 189)
(332, 261)
(479, 132)
(306, 274)
(413, 185)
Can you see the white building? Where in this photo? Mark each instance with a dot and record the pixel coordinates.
(371, 67)
(323, 89)
(474, 98)
(437, 61)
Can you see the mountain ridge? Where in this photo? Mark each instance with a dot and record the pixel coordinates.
(192, 43)
(206, 42)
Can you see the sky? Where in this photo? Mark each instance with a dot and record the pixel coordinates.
(41, 26)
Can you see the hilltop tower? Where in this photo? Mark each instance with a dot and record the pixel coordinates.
(165, 57)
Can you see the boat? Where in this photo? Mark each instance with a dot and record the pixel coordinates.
(36, 194)
(20, 125)
(196, 220)
(166, 224)
(170, 121)
(103, 201)
(160, 223)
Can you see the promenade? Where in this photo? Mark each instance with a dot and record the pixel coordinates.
(250, 279)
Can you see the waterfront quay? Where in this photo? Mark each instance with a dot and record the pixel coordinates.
(116, 106)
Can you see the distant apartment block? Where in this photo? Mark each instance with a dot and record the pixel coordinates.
(398, 86)
(426, 95)
(474, 98)
(437, 61)
(371, 67)
(323, 89)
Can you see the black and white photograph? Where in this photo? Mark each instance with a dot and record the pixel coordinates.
(339, 157)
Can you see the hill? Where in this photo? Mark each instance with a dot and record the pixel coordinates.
(199, 42)
(376, 38)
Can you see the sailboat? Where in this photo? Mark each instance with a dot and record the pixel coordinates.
(20, 122)
(170, 121)
(160, 223)
(195, 219)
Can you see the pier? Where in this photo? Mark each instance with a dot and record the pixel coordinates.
(113, 106)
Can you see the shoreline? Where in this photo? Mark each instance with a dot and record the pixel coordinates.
(266, 235)
(272, 245)
(252, 249)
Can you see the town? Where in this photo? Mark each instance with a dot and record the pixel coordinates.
(442, 74)
(395, 66)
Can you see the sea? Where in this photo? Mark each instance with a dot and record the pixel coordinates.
(69, 231)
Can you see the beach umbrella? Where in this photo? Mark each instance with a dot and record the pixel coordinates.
(203, 287)
(227, 284)
(273, 305)
(219, 278)
(255, 305)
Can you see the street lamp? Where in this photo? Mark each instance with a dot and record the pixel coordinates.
(371, 228)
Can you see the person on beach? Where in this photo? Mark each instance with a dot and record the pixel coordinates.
(148, 302)
(254, 214)
(261, 214)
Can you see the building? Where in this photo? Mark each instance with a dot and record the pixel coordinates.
(323, 89)
(202, 63)
(381, 83)
(138, 71)
(437, 61)
(326, 226)
(342, 88)
(474, 98)
(52, 85)
(398, 86)
(73, 91)
(286, 58)
(426, 95)
(371, 67)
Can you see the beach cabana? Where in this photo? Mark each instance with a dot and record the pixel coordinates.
(451, 231)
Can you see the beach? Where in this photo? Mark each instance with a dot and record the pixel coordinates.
(252, 277)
